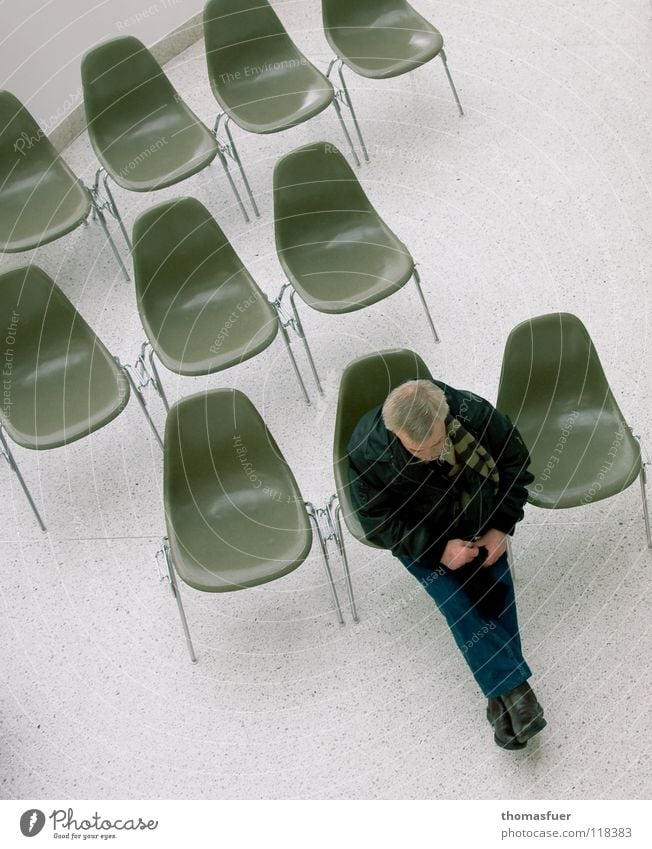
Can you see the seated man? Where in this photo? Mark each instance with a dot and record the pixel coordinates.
(439, 477)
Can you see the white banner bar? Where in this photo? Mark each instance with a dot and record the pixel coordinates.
(303, 825)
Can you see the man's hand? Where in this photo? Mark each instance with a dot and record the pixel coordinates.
(459, 552)
(496, 544)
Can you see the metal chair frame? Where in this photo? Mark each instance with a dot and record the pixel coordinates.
(344, 95)
(146, 372)
(6, 452)
(299, 327)
(317, 516)
(228, 148)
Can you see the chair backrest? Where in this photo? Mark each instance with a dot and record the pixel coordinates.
(121, 79)
(312, 179)
(365, 384)
(344, 13)
(235, 32)
(550, 361)
(173, 242)
(554, 389)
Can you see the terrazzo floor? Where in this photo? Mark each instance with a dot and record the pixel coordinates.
(537, 200)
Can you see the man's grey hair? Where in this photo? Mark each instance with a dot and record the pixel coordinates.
(413, 408)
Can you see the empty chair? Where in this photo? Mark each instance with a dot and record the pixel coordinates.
(142, 132)
(553, 388)
(365, 384)
(259, 77)
(380, 39)
(335, 249)
(234, 513)
(41, 199)
(59, 381)
(201, 310)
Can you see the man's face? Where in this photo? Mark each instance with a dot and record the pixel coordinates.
(431, 447)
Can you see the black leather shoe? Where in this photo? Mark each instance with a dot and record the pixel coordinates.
(525, 712)
(503, 732)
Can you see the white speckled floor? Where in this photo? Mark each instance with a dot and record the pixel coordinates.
(537, 200)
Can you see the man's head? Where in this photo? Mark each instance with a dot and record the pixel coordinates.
(416, 412)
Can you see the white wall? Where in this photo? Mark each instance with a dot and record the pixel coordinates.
(43, 41)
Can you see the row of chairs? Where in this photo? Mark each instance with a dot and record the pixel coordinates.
(261, 80)
(146, 137)
(235, 515)
(201, 309)
(336, 251)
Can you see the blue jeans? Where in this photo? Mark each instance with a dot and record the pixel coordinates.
(488, 639)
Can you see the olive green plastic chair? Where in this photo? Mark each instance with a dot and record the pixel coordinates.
(365, 384)
(142, 132)
(59, 382)
(337, 252)
(41, 199)
(235, 516)
(201, 310)
(553, 388)
(380, 39)
(259, 77)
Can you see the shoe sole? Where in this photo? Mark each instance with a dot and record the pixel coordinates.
(533, 728)
(512, 745)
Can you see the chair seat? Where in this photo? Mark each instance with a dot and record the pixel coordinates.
(395, 43)
(286, 91)
(221, 546)
(234, 513)
(63, 383)
(578, 457)
(215, 326)
(156, 150)
(355, 260)
(83, 392)
(39, 205)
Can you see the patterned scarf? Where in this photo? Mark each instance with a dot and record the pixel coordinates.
(463, 451)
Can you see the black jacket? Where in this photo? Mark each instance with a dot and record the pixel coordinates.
(407, 506)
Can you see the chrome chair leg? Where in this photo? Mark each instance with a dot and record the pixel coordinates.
(450, 80)
(333, 510)
(174, 587)
(113, 207)
(343, 95)
(221, 152)
(417, 283)
(314, 515)
(643, 482)
(646, 512)
(338, 111)
(238, 162)
(9, 457)
(99, 216)
(154, 375)
(135, 381)
(302, 335)
(282, 323)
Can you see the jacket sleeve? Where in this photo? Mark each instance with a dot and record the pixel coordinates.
(384, 523)
(503, 441)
